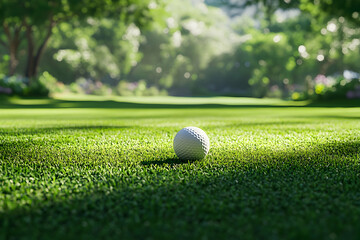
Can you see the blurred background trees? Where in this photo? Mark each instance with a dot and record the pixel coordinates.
(293, 49)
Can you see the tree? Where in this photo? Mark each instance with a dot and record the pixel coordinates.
(32, 22)
(348, 9)
(175, 57)
(339, 8)
(323, 40)
(235, 7)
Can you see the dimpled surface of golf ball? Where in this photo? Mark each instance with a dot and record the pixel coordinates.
(191, 143)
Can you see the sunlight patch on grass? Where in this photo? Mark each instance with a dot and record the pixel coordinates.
(98, 173)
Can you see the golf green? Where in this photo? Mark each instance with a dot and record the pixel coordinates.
(105, 168)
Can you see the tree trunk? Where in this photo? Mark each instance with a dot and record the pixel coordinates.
(13, 59)
(42, 47)
(13, 46)
(35, 56)
(30, 59)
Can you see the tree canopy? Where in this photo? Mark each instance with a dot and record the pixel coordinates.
(289, 49)
(338, 8)
(35, 20)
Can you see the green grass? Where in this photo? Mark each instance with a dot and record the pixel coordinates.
(105, 168)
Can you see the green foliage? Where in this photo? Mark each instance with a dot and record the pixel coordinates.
(83, 55)
(35, 21)
(175, 57)
(104, 169)
(334, 8)
(330, 88)
(189, 48)
(39, 12)
(4, 62)
(140, 88)
(274, 56)
(43, 86)
(51, 83)
(324, 36)
(13, 85)
(335, 88)
(37, 88)
(87, 86)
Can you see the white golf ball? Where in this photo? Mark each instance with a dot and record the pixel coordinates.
(191, 143)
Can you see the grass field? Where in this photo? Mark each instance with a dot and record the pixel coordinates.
(105, 169)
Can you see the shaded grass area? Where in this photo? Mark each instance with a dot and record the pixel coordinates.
(274, 173)
(144, 103)
(165, 102)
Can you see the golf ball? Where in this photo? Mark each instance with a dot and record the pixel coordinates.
(191, 143)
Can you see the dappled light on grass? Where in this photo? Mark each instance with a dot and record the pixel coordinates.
(92, 173)
(220, 198)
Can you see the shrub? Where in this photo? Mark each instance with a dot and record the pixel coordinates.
(329, 87)
(42, 86)
(13, 85)
(49, 82)
(139, 88)
(335, 88)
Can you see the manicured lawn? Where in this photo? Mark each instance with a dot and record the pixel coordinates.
(102, 169)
